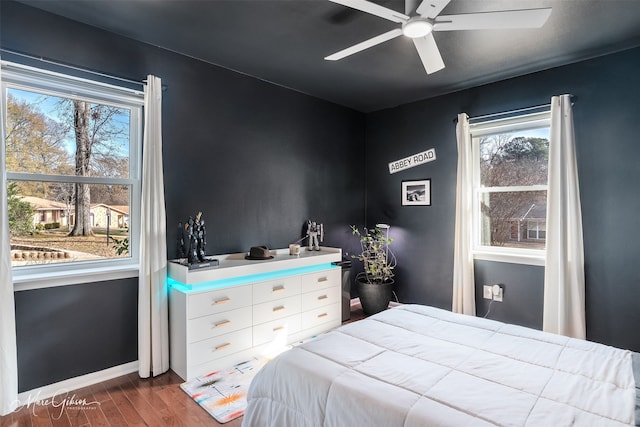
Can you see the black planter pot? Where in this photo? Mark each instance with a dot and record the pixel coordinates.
(374, 297)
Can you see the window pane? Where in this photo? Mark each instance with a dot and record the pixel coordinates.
(514, 219)
(514, 159)
(54, 135)
(43, 217)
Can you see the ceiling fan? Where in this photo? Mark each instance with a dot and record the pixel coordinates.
(419, 23)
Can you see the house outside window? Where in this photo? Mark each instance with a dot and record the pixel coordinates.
(71, 151)
(536, 230)
(510, 161)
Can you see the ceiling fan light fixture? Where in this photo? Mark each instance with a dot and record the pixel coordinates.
(417, 27)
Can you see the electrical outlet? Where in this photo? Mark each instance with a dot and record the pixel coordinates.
(497, 292)
(487, 292)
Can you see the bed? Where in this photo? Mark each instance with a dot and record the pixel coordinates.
(416, 365)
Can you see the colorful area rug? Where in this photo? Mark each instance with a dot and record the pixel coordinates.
(223, 394)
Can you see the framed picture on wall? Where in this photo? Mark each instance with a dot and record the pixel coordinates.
(416, 193)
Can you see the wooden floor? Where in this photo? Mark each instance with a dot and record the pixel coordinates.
(124, 401)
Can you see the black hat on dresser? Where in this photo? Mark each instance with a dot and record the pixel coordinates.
(258, 253)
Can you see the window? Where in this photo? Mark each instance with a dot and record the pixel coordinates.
(511, 157)
(71, 153)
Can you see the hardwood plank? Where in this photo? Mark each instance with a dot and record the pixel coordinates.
(93, 412)
(83, 401)
(128, 411)
(112, 414)
(185, 408)
(151, 415)
(99, 393)
(159, 392)
(20, 418)
(77, 418)
(58, 413)
(8, 421)
(40, 416)
(13, 420)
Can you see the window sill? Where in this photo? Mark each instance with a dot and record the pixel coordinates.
(513, 258)
(24, 282)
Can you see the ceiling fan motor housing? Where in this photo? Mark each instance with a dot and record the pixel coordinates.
(417, 26)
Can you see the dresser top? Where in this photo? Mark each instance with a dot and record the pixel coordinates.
(235, 265)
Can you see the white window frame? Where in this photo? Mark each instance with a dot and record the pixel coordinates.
(16, 76)
(521, 122)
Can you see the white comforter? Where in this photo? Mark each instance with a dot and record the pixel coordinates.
(421, 366)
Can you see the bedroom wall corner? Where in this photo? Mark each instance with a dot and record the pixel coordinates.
(606, 129)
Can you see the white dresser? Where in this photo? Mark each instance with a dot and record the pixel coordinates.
(245, 308)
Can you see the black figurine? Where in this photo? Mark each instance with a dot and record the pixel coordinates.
(201, 240)
(192, 240)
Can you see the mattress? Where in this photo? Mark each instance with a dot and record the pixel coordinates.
(416, 365)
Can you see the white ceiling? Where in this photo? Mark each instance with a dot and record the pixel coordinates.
(285, 41)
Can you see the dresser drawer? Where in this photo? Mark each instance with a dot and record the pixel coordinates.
(213, 325)
(279, 330)
(321, 280)
(319, 298)
(276, 289)
(318, 316)
(278, 309)
(220, 346)
(218, 301)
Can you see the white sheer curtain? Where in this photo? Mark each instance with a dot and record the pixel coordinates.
(153, 312)
(464, 300)
(564, 306)
(8, 354)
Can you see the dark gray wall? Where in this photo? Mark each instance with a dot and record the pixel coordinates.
(606, 127)
(523, 292)
(256, 159)
(67, 331)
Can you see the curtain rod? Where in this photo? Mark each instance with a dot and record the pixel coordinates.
(520, 110)
(73, 67)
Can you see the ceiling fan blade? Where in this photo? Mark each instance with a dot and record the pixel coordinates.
(344, 15)
(429, 53)
(410, 6)
(365, 45)
(508, 19)
(431, 8)
(374, 9)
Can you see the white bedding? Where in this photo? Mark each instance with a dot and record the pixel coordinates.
(421, 366)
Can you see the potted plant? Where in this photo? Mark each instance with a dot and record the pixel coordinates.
(375, 283)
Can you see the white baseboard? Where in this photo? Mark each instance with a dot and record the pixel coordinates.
(60, 388)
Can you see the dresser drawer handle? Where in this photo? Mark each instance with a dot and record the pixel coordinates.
(278, 288)
(322, 315)
(222, 300)
(279, 308)
(321, 297)
(279, 328)
(222, 346)
(223, 323)
(322, 279)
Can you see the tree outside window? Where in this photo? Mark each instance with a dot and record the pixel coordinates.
(68, 159)
(510, 184)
